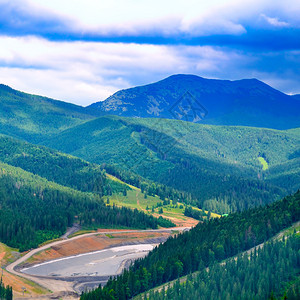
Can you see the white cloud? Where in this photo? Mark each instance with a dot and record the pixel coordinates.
(167, 18)
(83, 72)
(275, 21)
(132, 17)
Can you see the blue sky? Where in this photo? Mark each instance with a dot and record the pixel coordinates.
(83, 51)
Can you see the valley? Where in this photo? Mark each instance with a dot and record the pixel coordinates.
(159, 197)
(149, 150)
(86, 245)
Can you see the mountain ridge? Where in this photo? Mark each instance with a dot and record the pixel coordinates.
(195, 158)
(245, 102)
(29, 116)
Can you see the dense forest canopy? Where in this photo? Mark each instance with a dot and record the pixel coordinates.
(221, 168)
(261, 275)
(5, 291)
(34, 210)
(205, 244)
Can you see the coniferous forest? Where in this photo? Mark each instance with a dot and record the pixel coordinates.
(263, 274)
(201, 247)
(34, 210)
(6, 292)
(109, 164)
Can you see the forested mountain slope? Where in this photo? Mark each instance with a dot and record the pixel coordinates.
(55, 166)
(202, 246)
(221, 166)
(32, 117)
(247, 102)
(55, 191)
(34, 210)
(265, 274)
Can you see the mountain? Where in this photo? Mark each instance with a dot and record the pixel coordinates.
(210, 166)
(207, 245)
(222, 167)
(297, 96)
(43, 191)
(31, 117)
(247, 102)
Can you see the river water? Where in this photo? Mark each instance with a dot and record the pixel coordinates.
(99, 263)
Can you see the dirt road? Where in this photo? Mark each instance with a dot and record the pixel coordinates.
(59, 288)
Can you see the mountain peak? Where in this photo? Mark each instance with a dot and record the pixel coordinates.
(248, 102)
(5, 87)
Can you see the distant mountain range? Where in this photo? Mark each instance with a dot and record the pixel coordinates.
(247, 102)
(296, 97)
(212, 163)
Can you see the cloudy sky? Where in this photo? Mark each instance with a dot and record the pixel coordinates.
(82, 51)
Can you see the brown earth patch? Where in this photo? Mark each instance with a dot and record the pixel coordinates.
(14, 281)
(186, 222)
(2, 256)
(94, 243)
(18, 283)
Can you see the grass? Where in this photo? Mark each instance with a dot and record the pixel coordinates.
(135, 200)
(264, 163)
(113, 178)
(49, 241)
(80, 232)
(10, 254)
(293, 229)
(7, 256)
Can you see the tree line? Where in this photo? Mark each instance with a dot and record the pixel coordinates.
(34, 210)
(5, 291)
(205, 244)
(260, 275)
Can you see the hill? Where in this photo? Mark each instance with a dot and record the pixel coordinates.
(73, 172)
(250, 275)
(31, 117)
(247, 102)
(42, 191)
(34, 210)
(203, 246)
(219, 166)
(57, 167)
(296, 96)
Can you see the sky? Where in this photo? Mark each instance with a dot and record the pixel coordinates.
(82, 51)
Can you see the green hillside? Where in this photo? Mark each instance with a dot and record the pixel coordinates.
(218, 165)
(61, 168)
(33, 117)
(203, 246)
(256, 276)
(43, 191)
(34, 210)
(219, 168)
(78, 174)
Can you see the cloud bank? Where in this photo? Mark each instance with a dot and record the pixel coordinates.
(83, 51)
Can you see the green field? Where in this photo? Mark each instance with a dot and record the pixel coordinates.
(135, 199)
(264, 163)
